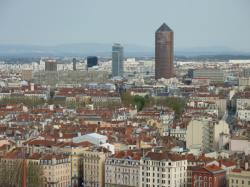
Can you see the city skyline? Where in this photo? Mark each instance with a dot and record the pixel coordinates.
(212, 23)
(124, 93)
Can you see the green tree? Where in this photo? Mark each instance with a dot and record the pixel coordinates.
(139, 101)
(177, 104)
(28, 101)
(127, 99)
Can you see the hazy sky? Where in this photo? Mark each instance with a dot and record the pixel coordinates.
(196, 23)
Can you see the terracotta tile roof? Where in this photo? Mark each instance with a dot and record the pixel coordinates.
(164, 156)
(237, 170)
(47, 156)
(228, 163)
(71, 144)
(17, 153)
(128, 154)
(213, 168)
(45, 143)
(202, 158)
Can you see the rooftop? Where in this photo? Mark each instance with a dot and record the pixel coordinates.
(164, 28)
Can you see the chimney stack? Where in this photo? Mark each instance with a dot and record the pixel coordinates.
(246, 165)
(32, 86)
(220, 163)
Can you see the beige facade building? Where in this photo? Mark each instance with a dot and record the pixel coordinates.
(122, 172)
(199, 134)
(163, 170)
(27, 74)
(75, 152)
(219, 128)
(239, 177)
(93, 167)
(244, 81)
(203, 133)
(54, 169)
(240, 144)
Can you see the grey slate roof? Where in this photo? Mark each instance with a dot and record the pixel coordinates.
(164, 28)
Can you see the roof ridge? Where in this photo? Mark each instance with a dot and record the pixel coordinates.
(164, 28)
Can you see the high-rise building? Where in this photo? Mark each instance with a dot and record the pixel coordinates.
(117, 60)
(164, 52)
(50, 65)
(92, 61)
(74, 64)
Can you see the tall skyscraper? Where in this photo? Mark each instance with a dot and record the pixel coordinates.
(74, 64)
(92, 61)
(50, 65)
(117, 60)
(164, 52)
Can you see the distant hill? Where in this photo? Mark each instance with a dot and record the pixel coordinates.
(83, 49)
(86, 49)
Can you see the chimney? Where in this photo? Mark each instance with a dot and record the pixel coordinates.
(246, 165)
(51, 107)
(60, 134)
(238, 164)
(220, 163)
(53, 160)
(138, 142)
(32, 86)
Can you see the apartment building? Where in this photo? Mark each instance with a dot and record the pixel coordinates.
(203, 133)
(163, 170)
(199, 134)
(54, 169)
(215, 75)
(93, 167)
(122, 171)
(209, 176)
(239, 177)
(178, 132)
(239, 144)
(75, 152)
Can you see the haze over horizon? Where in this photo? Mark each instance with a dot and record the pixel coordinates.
(196, 23)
